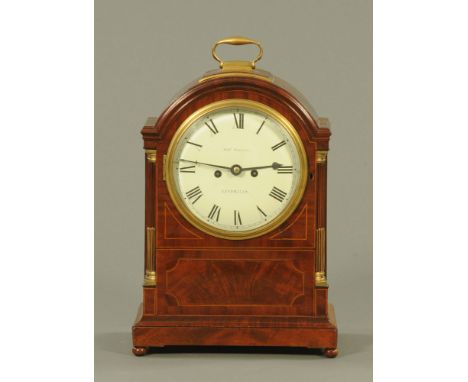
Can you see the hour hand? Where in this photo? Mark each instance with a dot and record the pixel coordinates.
(206, 164)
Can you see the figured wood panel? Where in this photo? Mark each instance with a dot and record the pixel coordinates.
(243, 281)
(211, 282)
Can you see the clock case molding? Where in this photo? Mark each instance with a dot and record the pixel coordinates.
(265, 291)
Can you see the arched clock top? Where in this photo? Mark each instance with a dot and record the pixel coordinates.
(268, 90)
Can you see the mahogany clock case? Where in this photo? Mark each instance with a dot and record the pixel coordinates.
(264, 291)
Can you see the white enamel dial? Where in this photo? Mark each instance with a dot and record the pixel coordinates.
(236, 169)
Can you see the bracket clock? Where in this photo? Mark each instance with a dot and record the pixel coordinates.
(235, 216)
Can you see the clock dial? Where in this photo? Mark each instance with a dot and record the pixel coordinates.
(237, 169)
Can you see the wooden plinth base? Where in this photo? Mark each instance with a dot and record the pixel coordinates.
(150, 332)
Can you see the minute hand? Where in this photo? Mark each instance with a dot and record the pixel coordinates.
(206, 164)
(274, 166)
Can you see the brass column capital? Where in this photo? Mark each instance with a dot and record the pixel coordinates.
(151, 155)
(321, 156)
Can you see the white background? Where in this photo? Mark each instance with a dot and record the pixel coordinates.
(46, 157)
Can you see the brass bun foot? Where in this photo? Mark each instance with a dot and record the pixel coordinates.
(330, 353)
(139, 350)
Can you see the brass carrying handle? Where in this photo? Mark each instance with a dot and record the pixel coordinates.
(237, 40)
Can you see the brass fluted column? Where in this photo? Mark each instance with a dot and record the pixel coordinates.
(321, 233)
(150, 230)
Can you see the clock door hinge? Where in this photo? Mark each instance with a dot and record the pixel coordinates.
(164, 166)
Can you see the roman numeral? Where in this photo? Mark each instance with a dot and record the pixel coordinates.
(195, 144)
(240, 122)
(277, 194)
(188, 169)
(285, 170)
(215, 211)
(263, 213)
(261, 125)
(194, 193)
(237, 218)
(213, 128)
(278, 145)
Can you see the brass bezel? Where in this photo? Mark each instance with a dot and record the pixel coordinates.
(221, 233)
